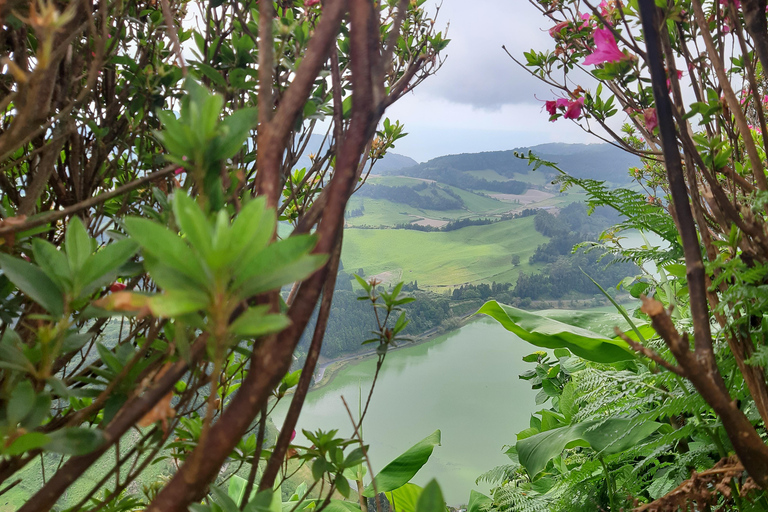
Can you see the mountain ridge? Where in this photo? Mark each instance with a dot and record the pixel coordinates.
(602, 162)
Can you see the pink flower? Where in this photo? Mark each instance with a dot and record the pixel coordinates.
(604, 8)
(310, 3)
(736, 3)
(606, 49)
(586, 18)
(554, 31)
(117, 287)
(179, 170)
(765, 98)
(551, 107)
(651, 121)
(669, 82)
(562, 102)
(293, 435)
(573, 110)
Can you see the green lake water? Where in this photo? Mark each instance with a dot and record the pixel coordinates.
(464, 383)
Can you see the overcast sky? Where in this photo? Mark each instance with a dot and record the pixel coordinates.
(481, 100)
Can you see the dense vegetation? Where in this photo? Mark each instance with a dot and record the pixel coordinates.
(668, 410)
(146, 161)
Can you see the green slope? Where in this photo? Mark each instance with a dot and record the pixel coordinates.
(443, 259)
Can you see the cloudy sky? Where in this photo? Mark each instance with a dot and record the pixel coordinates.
(481, 100)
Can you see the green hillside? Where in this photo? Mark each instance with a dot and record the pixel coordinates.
(476, 254)
(597, 161)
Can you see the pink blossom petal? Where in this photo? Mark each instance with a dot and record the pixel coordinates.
(650, 118)
(573, 111)
(606, 49)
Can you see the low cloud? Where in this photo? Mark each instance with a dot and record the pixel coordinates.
(477, 71)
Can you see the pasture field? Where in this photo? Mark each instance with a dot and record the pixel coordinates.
(443, 260)
(380, 212)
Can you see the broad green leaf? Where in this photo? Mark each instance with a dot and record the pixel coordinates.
(543, 331)
(53, 262)
(236, 489)
(101, 268)
(27, 442)
(167, 277)
(567, 402)
(341, 506)
(172, 303)
(221, 498)
(431, 499)
(234, 132)
(254, 322)
(167, 247)
(400, 471)
(478, 502)
(21, 402)
(75, 341)
(193, 223)
(604, 436)
(77, 243)
(277, 265)
(10, 356)
(252, 228)
(405, 498)
(342, 485)
(40, 410)
(34, 283)
(75, 440)
(109, 358)
(265, 501)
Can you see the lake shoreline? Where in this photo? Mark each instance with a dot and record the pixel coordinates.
(328, 370)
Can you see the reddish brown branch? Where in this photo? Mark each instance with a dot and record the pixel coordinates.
(307, 374)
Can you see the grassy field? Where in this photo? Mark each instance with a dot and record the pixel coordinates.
(474, 254)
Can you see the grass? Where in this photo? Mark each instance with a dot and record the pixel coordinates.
(476, 254)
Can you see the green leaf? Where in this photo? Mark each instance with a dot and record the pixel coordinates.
(21, 402)
(106, 355)
(221, 498)
(252, 228)
(34, 283)
(362, 282)
(405, 498)
(235, 129)
(279, 264)
(431, 499)
(101, 268)
(236, 489)
(77, 243)
(193, 223)
(75, 441)
(544, 331)
(478, 502)
(608, 436)
(177, 303)
(342, 485)
(40, 410)
(337, 506)
(53, 262)
(254, 322)
(400, 471)
(27, 442)
(167, 247)
(75, 341)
